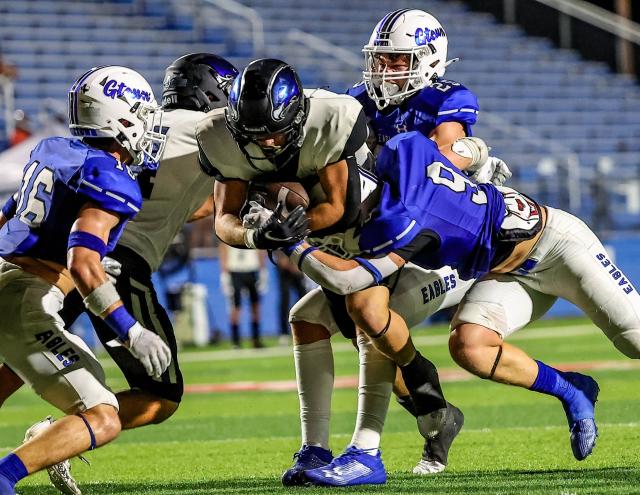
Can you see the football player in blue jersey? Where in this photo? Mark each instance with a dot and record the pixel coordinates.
(525, 255)
(176, 192)
(75, 199)
(402, 90)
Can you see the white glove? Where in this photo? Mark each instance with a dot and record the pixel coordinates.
(263, 281)
(493, 170)
(258, 215)
(150, 350)
(473, 148)
(225, 284)
(112, 268)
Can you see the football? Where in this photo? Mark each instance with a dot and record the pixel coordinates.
(269, 194)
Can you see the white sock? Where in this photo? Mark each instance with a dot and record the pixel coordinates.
(314, 373)
(377, 374)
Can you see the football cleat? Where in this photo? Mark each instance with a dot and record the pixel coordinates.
(59, 474)
(581, 414)
(353, 467)
(308, 457)
(439, 429)
(6, 486)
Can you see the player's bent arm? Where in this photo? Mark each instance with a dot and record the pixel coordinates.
(88, 234)
(445, 135)
(333, 179)
(343, 276)
(204, 211)
(87, 245)
(229, 196)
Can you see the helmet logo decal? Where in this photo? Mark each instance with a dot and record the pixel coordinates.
(284, 92)
(426, 35)
(114, 89)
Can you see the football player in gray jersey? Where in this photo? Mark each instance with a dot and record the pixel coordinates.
(273, 130)
(178, 192)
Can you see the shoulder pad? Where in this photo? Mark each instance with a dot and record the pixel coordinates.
(108, 183)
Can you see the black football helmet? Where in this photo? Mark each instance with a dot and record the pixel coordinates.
(267, 99)
(198, 81)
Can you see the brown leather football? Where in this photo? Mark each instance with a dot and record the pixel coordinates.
(269, 194)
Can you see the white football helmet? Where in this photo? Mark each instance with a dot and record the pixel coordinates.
(117, 102)
(421, 38)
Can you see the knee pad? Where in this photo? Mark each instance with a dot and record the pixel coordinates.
(314, 308)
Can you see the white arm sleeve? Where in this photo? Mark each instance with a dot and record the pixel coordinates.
(369, 272)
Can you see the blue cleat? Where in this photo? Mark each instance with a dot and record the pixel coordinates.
(6, 486)
(308, 457)
(353, 467)
(581, 414)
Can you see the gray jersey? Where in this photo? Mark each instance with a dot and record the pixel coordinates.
(334, 130)
(173, 193)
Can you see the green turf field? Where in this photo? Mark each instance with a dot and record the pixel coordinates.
(513, 441)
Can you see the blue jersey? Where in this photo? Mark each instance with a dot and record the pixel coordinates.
(423, 194)
(443, 101)
(62, 175)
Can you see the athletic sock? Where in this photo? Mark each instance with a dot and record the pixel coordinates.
(12, 470)
(421, 378)
(314, 374)
(377, 374)
(551, 381)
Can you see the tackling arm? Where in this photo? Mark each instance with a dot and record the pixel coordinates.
(342, 276)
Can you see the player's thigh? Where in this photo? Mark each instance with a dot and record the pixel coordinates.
(56, 364)
(586, 275)
(502, 303)
(139, 297)
(314, 307)
(417, 293)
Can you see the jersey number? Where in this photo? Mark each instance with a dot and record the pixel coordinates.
(442, 175)
(35, 194)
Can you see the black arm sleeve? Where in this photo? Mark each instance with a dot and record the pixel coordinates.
(425, 241)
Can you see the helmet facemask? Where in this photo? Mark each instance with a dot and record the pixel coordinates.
(419, 39)
(266, 102)
(116, 102)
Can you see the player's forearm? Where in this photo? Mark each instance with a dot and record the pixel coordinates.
(325, 215)
(229, 230)
(338, 275)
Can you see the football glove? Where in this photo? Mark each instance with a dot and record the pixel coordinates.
(276, 233)
(112, 268)
(257, 216)
(150, 350)
(493, 170)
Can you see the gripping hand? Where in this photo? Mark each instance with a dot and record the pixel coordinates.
(276, 233)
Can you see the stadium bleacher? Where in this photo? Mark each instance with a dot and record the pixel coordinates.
(567, 105)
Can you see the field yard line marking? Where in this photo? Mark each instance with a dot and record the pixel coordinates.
(446, 375)
(344, 346)
(339, 344)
